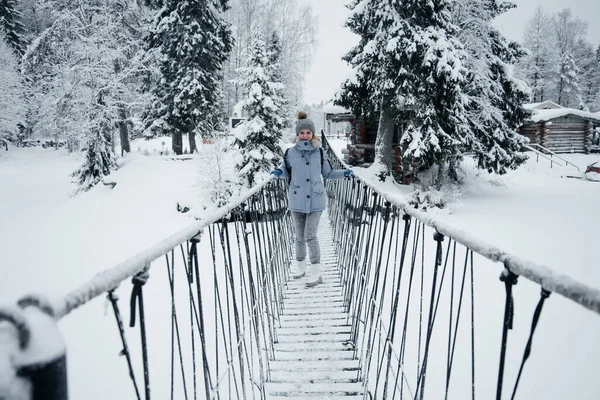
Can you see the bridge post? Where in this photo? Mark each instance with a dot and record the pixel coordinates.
(33, 354)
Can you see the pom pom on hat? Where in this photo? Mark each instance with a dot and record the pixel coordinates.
(304, 123)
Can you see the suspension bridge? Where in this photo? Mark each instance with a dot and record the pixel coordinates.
(409, 308)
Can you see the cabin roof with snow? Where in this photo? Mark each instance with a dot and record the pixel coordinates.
(544, 105)
(550, 114)
(337, 113)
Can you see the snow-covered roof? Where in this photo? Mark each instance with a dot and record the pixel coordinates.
(546, 115)
(544, 105)
(331, 108)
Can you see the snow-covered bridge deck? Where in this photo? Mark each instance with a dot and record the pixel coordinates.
(314, 356)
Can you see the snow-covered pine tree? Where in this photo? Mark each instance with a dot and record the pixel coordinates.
(568, 31)
(495, 97)
(258, 139)
(11, 20)
(96, 144)
(595, 107)
(12, 102)
(423, 63)
(537, 66)
(585, 58)
(192, 41)
(276, 77)
(370, 92)
(356, 91)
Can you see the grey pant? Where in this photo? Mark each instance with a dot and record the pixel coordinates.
(306, 234)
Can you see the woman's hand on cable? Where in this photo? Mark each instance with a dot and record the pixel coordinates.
(349, 173)
(277, 172)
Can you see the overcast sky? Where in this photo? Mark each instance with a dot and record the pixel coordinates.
(328, 71)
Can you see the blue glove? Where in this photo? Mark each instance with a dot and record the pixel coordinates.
(277, 172)
(348, 173)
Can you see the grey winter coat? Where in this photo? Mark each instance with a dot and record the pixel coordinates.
(307, 191)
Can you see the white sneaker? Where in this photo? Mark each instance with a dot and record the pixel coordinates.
(300, 269)
(315, 276)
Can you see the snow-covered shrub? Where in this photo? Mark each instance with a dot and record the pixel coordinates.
(426, 199)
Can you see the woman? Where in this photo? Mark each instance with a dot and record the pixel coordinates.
(304, 165)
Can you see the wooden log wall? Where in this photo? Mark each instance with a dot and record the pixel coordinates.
(566, 136)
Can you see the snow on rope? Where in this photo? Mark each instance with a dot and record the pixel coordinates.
(109, 279)
(585, 295)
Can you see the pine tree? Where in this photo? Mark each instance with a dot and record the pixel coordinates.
(568, 31)
(538, 65)
(96, 144)
(11, 20)
(423, 63)
(12, 102)
(192, 42)
(372, 89)
(585, 59)
(276, 77)
(567, 85)
(258, 138)
(494, 96)
(356, 92)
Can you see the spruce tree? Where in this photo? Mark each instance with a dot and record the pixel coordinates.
(96, 144)
(423, 62)
(192, 42)
(371, 91)
(260, 134)
(12, 102)
(494, 95)
(275, 74)
(538, 66)
(11, 20)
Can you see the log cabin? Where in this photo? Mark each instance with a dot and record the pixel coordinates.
(560, 129)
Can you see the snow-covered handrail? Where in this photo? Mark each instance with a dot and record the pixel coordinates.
(108, 280)
(579, 292)
(531, 147)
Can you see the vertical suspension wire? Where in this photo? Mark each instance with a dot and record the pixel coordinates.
(366, 291)
(192, 254)
(218, 308)
(125, 351)
(472, 332)
(373, 313)
(391, 214)
(233, 303)
(172, 322)
(137, 295)
(175, 326)
(459, 308)
(339, 203)
(238, 315)
(256, 307)
(394, 304)
(438, 237)
(247, 310)
(244, 357)
(275, 277)
(360, 281)
(419, 227)
(421, 301)
(228, 337)
(201, 328)
(509, 279)
(268, 295)
(536, 317)
(281, 274)
(355, 254)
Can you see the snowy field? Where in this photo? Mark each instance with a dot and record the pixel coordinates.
(52, 242)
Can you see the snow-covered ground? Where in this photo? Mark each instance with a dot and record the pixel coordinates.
(52, 242)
